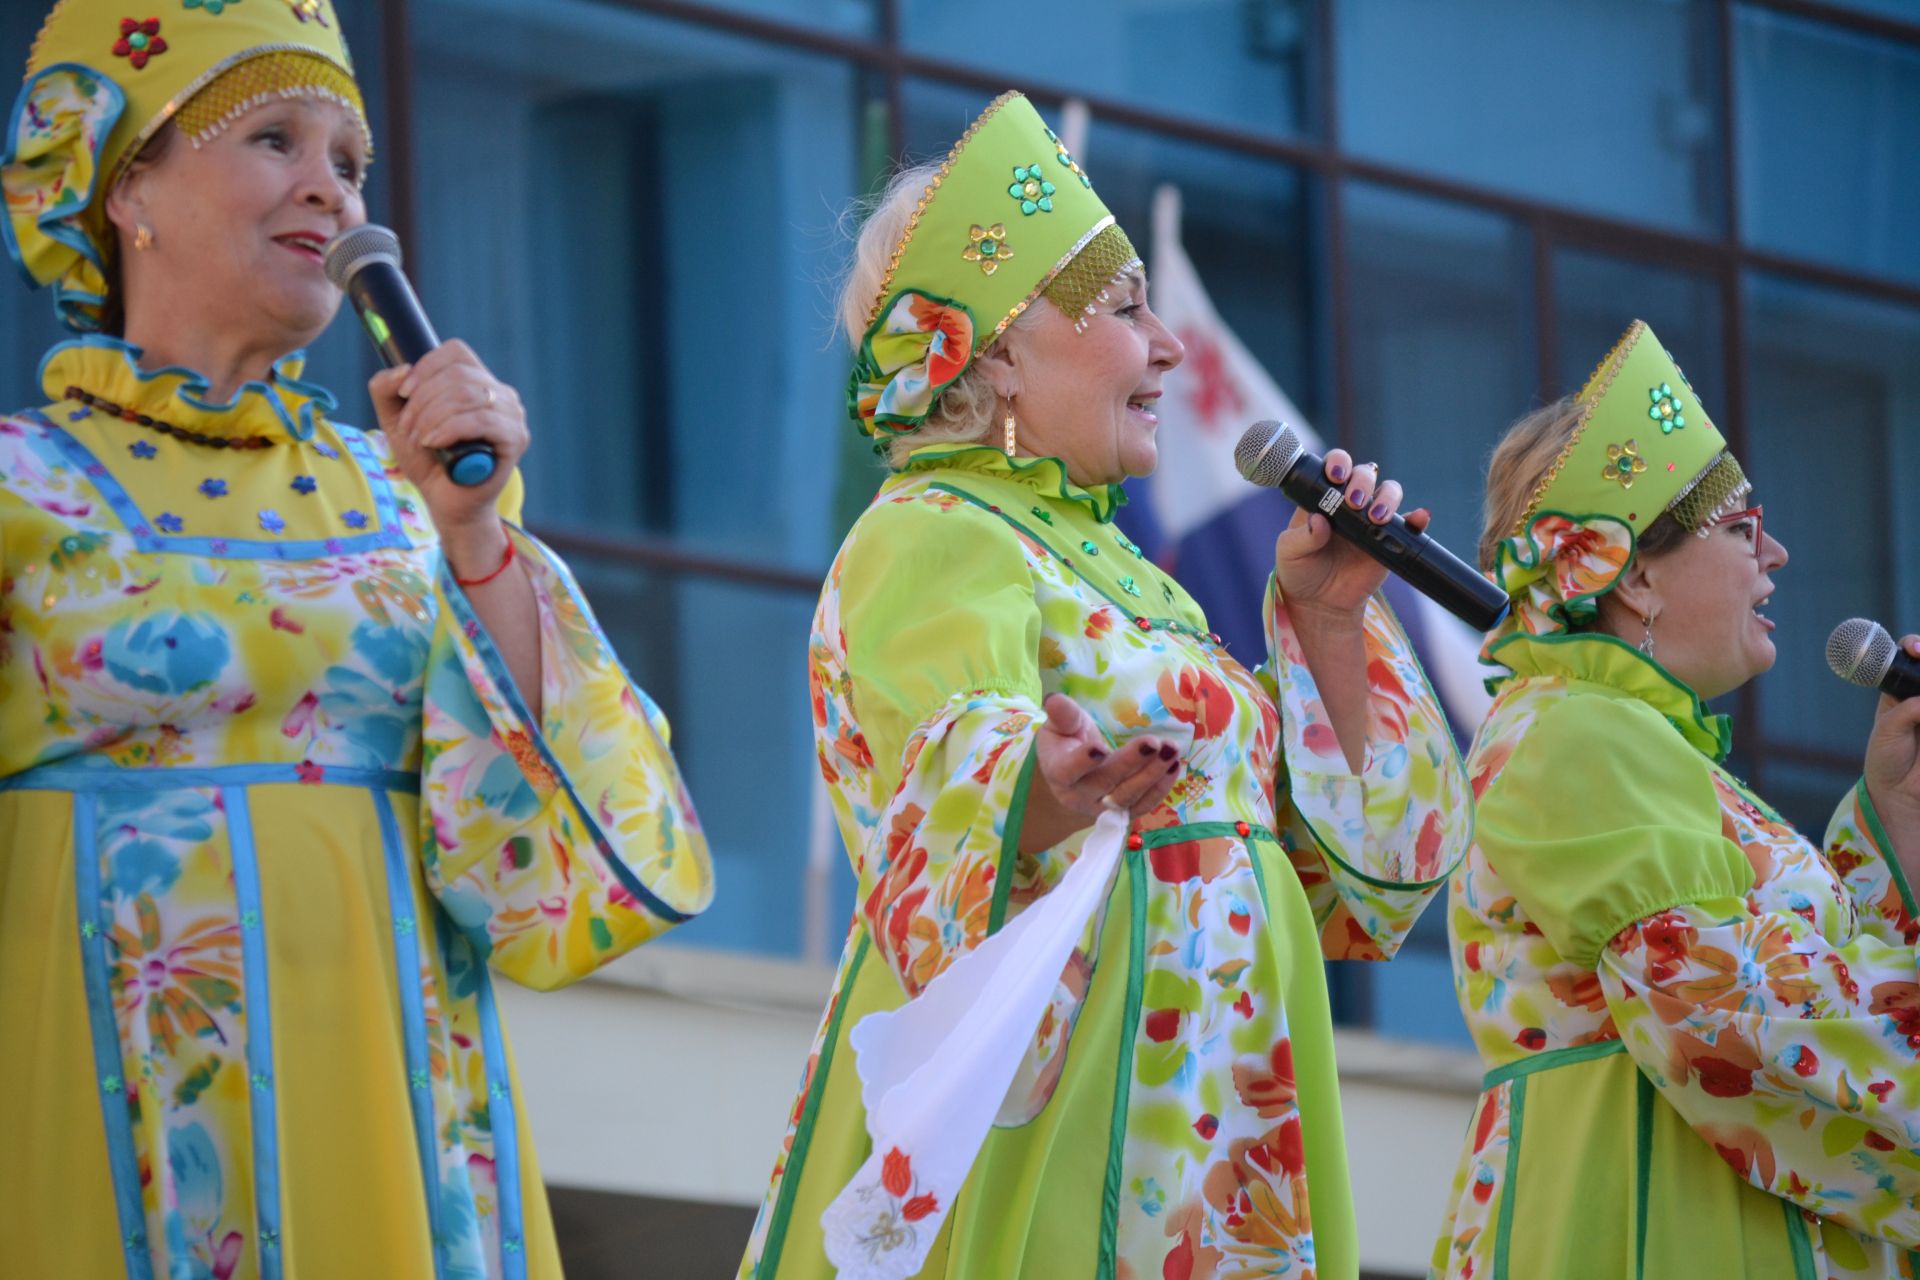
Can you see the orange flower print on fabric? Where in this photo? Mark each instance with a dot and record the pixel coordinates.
(1198, 698)
(1268, 1090)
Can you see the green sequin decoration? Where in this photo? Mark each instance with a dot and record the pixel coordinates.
(1089, 548)
(1043, 515)
(1126, 585)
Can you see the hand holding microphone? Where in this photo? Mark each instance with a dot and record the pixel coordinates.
(1272, 456)
(1861, 652)
(432, 398)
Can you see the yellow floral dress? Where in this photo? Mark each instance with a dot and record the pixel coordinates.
(1179, 1099)
(271, 808)
(1702, 1032)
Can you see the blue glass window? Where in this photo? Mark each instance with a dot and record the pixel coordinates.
(1239, 63)
(1593, 104)
(1833, 399)
(1829, 123)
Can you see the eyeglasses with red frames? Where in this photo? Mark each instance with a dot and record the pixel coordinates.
(1753, 513)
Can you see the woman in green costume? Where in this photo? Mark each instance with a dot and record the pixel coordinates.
(990, 661)
(1701, 1030)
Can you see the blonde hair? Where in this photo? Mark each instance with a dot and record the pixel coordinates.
(965, 412)
(1523, 459)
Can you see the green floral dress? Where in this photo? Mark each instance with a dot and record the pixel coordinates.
(1179, 1098)
(1700, 1030)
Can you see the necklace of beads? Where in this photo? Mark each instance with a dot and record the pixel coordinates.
(125, 414)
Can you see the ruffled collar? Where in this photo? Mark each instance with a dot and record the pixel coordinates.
(1605, 660)
(283, 408)
(1045, 476)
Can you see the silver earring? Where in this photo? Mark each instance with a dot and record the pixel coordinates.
(1008, 426)
(1646, 641)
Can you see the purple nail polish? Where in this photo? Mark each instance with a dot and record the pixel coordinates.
(1096, 753)
(1168, 751)
(1337, 473)
(1379, 511)
(1357, 498)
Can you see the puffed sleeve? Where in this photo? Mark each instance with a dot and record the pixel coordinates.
(942, 638)
(1372, 848)
(557, 844)
(1788, 1052)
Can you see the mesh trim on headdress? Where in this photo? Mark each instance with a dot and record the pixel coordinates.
(282, 73)
(1715, 492)
(1098, 264)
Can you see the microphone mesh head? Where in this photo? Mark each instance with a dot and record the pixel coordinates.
(347, 252)
(1860, 651)
(1266, 452)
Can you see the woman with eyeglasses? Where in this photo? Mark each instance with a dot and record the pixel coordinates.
(1701, 1028)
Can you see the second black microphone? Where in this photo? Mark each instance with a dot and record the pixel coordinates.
(1272, 456)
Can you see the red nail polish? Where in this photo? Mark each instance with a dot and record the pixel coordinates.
(1146, 748)
(1096, 753)
(1168, 752)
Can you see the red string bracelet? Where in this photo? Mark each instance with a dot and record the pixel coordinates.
(481, 582)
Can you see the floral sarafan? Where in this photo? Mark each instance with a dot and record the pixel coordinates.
(972, 588)
(1642, 947)
(288, 817)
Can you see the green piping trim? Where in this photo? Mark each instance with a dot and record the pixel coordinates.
(1123, 1077)
(1166, 624)
(769, 1264)
(1797, 1237)
(1503, 1241)
(1185, 831)
(1718, 728)
(1397, 886)
(1010, 843)
(1550, 1059)
(1064, 489)
(1642, 1168)
(1879, 834)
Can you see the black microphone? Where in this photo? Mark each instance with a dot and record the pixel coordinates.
(364, 263)
(1272, 456)
(1861, 652)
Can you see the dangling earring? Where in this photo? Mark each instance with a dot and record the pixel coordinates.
(1008, 425)
(1646, 641)
(142, 237)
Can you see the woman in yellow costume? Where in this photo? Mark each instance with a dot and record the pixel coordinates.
(1702, 1031)
(992, 661)
(297, 738)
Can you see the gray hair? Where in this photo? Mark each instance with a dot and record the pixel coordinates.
(964, 414)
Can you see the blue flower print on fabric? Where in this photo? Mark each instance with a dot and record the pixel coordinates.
(166, 653)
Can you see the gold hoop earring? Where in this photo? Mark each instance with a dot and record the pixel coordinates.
(1008, 425)
(142, 237)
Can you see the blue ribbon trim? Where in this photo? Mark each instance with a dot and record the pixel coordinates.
(262, 1086)
(79, 777)
(504, 1121)
(413, 1013)
(146, 538)
(107, 1062)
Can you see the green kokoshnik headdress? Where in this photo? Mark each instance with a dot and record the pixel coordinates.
(1643, 447)
(1010, 216)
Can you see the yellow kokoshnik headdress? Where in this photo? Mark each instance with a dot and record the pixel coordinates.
(1644, 447)
(1010, 217)
(100, 83)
